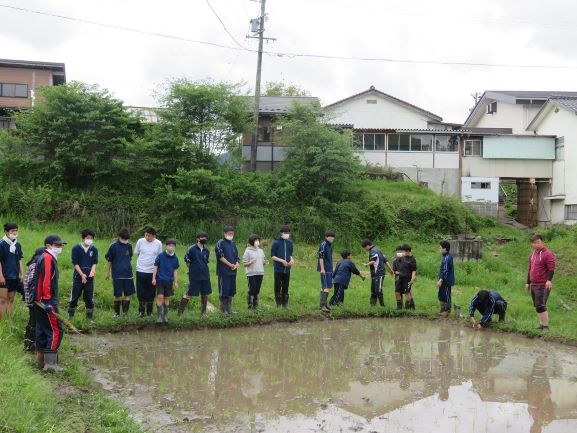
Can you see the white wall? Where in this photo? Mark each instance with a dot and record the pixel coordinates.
(469, 194)
(408, 159)
(514, 116)
(384, 114)
(446, 160)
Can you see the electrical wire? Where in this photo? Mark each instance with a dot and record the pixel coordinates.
(223, 25)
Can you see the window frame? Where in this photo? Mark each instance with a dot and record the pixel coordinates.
(560, 148)
(16, 86)
(362, 146)
(571, 212)
(450, 138)
(468, 141)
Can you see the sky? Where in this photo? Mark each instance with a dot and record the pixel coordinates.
(135, 66)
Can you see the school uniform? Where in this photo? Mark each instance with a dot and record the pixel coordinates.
(120, 257)
(48, 333)
(447, 274)
(145, 290)
(84, 258)
(198, 275)
(226, 276)
(10, 256)
(377, 275)
(166, 265)
(496, 304)
(254, 273)
(326, 255)
(342, 278)
(405, 265)
(283, 249)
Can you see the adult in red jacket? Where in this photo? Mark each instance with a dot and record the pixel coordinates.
(539, 279)
(48, 327)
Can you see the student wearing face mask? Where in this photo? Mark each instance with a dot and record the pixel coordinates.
(11, 269)
(165, 278)
(146, 250)
(405, 268)
(48, 333)
(196, 259)
(325, 267)
(84, 259)
(119, 258)
(228, 262)
(254, 261)
(282, 256)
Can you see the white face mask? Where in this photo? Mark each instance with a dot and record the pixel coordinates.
(229, 237)
(56, 250)
(285, 235)
(256, 244)
(88, 242)
(123, 241)
(170, 250)
(12, 237)
(330, 240)
(400, 254)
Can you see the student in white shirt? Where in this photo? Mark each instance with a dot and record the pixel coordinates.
(146, 250)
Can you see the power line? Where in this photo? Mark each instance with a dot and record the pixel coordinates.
(293, 55)
(223, 25)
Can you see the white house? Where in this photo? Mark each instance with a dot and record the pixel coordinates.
(390, 132)
(558, 116)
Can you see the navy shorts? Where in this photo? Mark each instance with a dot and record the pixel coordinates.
(327, 280)
(199, 287)
(123, 287)
(226, 286)
(165, 289)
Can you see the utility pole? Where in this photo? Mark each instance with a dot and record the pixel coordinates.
(257, 27)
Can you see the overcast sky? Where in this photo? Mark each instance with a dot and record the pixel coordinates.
(132, 66)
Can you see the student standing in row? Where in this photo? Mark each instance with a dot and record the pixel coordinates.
(228, 263)
(325, 268)
(196, 259)
(165, 278)
(342, 277)
(11, 270)
(146, 250)
(405, 268)
(446, 278)
(377, 262)
(254, 261)
(282, 256)
(540, 279)
(119, 257)
(84, 259)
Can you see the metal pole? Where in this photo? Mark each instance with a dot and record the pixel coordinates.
(253, 148)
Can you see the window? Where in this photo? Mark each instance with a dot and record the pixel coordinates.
(421, 143)
(399, 142)
(571, 212)
(371, 101)
(9, 90)
(473, 148)
(492, 108)
(560, 149)
(446, 143)
(480, 185)
(264, 133)
(366, 141)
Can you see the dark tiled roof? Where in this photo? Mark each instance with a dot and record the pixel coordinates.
(281, 104)
(533, 93)
(28, 64)
(567, 103)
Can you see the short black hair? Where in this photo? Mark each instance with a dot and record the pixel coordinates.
(150, 230)
(170, 242)
(399, 248)
(483, 297)
(253, 238)
(87, 232)
(329, 233)
(345, 254)
(123, 233)
(366, 243)
(535, 237)
(284, 229)
(406, 247)
(228, 229)
(10, 226)
(446, 245)
(201, 235)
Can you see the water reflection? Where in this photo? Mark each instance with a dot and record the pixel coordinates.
(375, 375)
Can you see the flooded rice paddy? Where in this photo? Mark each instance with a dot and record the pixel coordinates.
(375, 375)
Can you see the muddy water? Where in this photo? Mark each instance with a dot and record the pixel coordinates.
(341, 376)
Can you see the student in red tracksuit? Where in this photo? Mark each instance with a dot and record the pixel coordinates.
(48, 327)
(539, 279)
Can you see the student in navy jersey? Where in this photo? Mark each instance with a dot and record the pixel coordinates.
(119, 258)
(84, 259)
(325, 268)
(226, 267)
(281, 253)
(11, 269)
(165, 278)
(196, 259)
(446, 278)
(344, 269)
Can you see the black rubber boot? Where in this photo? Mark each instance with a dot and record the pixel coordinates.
(141, 308)
(442, 310)
(223, 305)
(71, 312)
(412, 304)
(125, 308)
(182, 306)
(277, 297)
(400, 305)
(285, 299)
(117, 308)
(249, 300)
(407, 305)
(51, 362)
(229, 305)
(255, 302)
(159, 313)
(373, 300)
(165, 314)
(502, 316)
(381, 300)
(149, 308)
(90, 314)
(324, 307)
(203, 304)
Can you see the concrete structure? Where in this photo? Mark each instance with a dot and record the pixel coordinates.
(19, 80)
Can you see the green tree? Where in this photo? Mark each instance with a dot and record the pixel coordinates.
(78, 132)
(320, 163)
(207, 116)
(281, 88)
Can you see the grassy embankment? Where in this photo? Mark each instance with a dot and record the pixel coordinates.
(31, 401)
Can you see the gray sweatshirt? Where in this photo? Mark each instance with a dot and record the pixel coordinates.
(256, 268)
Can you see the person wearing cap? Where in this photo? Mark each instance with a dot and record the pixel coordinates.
(282, 256)
(84, 259)
(165, 278)
(11, 269)
(119, 258)
(325, 267)
(147, 250)
(48, 333)
(196, 259)
(228, 263)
